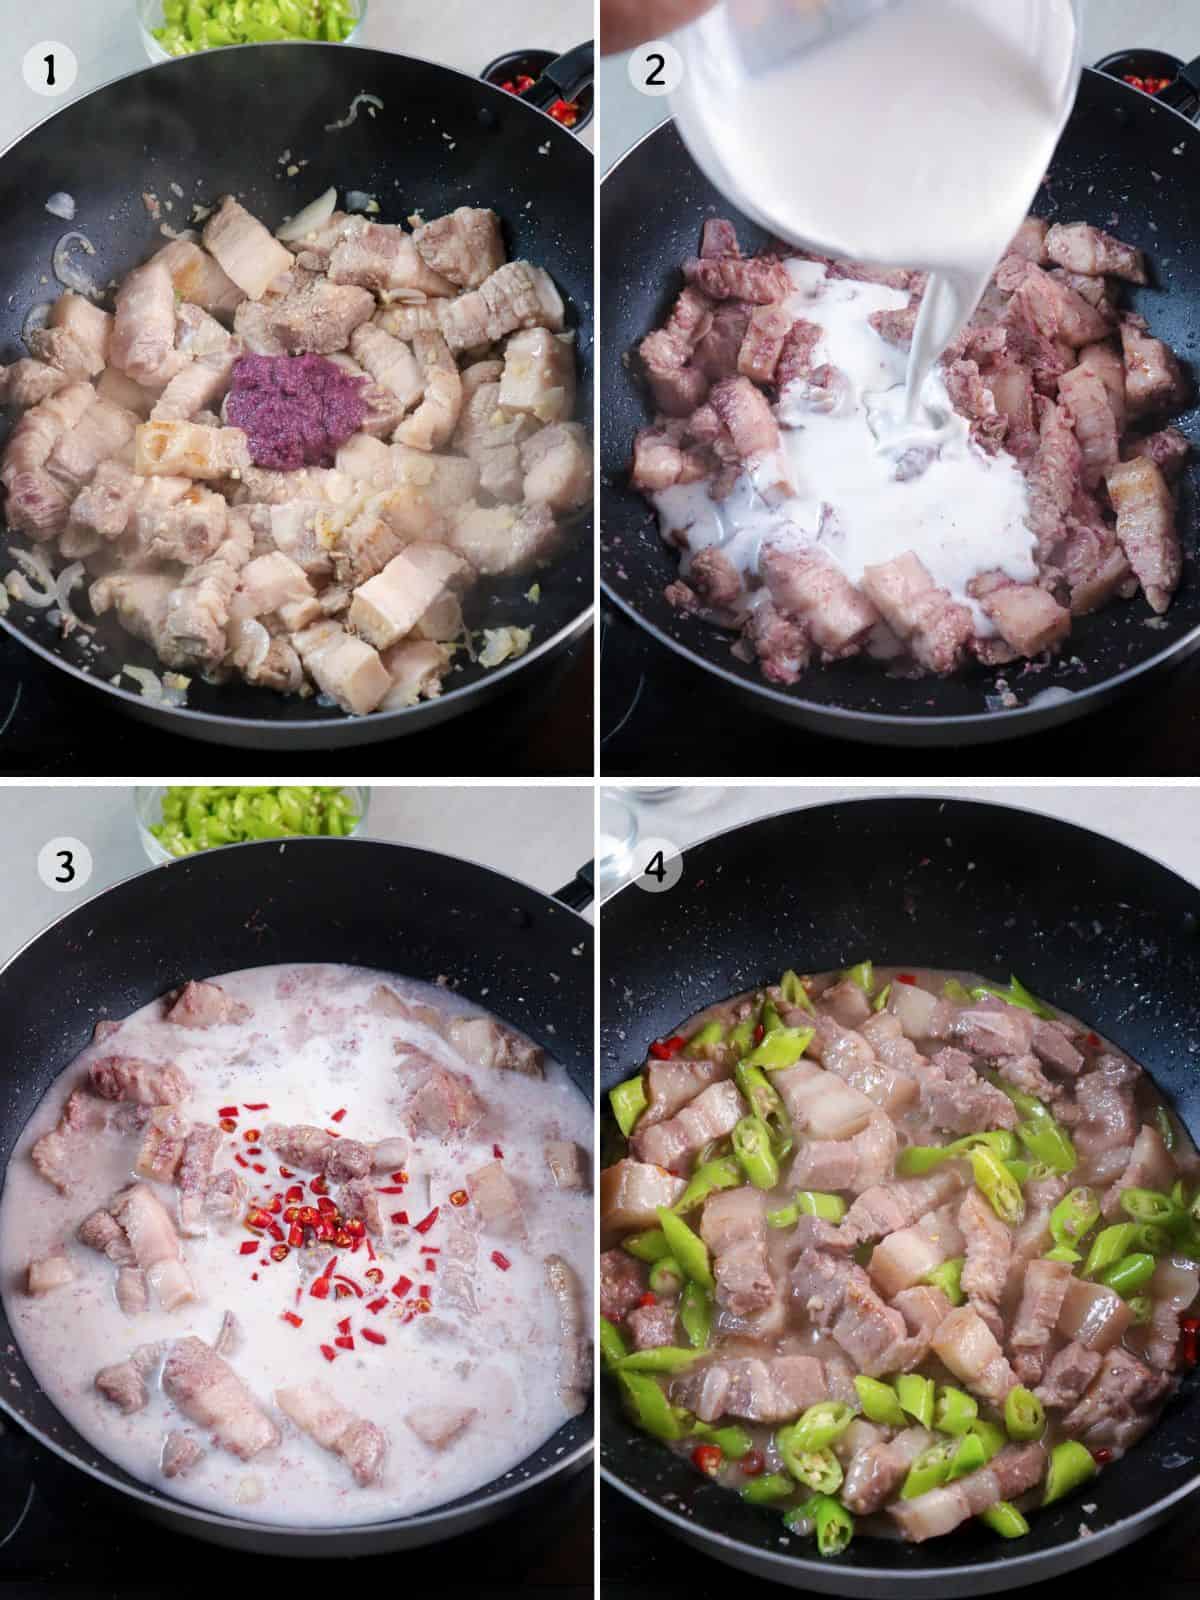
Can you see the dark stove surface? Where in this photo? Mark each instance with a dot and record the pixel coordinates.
(53, 727)
(640, 1560)
(61, 1533)
(661, 716)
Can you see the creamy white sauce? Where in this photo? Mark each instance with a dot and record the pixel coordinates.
(311, 1046)
(833, 486)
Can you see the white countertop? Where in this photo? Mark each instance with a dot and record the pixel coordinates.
(1110, 25)
(105, 37)
(1158, 820)
(541, 836)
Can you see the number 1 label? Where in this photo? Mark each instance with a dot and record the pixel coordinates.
(50, 68)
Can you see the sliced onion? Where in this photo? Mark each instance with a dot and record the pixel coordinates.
(67, 272)
(36, 317)
(359, 200)
(175, 688)
(62, 205)
(67, 579)
(352, 115)
(254, 633)
(21, 589)
(33, 565)
(314, 215)
(150, 682)
(3, 601)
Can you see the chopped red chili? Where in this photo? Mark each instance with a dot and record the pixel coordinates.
(261, 1105)
(252, 1135)
(518, 85)
(759, 1032)
(320, 1289)
(329, 1352)
(295, 1235)
(399, 1177)
(400, 1216)
(501, 1261)
(344, 1325)
(565, 111)
(431, 1266)
(424, 1292)
(330, 1267)
(372, 1337)
(1094, 1040)
(905, 977)
(664, 1049)
(377, 1306)
(227, 1125)
(344, 1341)
(392, 1188)
(458, 1197)
(258, 1166)
(497, 1153)
(708, 1458)
(257, 1218)
(247, 1247)
(648, 1299)
(333, 1133)
(318, 1185)
(753, 1463)
(336, 1116)
(374, 1274)
(1102, 1457)
(286, 1172)
(427, 1222)
(295, 1194)
(431, 1249)
(328, 1206)
(280, 1252)
(1189, 1329)
(355, 1227)
(350, 1283)
(227, 1111)
(401, 1286)
(276, 1205)
(341, 1237)
(290, 1316)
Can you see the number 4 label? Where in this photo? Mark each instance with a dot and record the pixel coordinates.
(64, 865)
(658, 865)
(656, 68)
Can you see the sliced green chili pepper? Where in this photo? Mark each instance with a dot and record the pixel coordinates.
(764, 1100)
(1047, 1141)
(1109, 1245)
(795, 993)
(613, 1348)
(741, 1037)
(768, 1489)
(930, 1470)
(651, 1409)
(666, 1276)
(969, 1456)
(948, 1278)
(660, 1358)
(1004, 1518)
(1063, 1252)
(816, 1469)
(1156, 1240)
(688, 1248)
(1142, 1307)
(1075, 1215)
(833, 1523)
(1166, 1126)
(881, 999)
(953, 990)
(990, 1434)
(734, 1441)
(955, 1410)
(918, 1159)
(998, 1185)
(1017, 995)
(880, 1402)
(812, 1203)
(1021, 1170)
(820, 1425)
(752, 1147)
(1130, 1273)
(1024, 1414)
(770, 1021)
(648, 1246)
(1149, 1205)
(863, 974)
(1071, 1464)
(915, 1395)
(628, 1101)
(696, 1314)
(781, 1047)
(1028, 1105)
(711, 1033)
(708, 1176)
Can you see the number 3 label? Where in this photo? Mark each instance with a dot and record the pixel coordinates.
(64, 865)
(50, 68)
(656, 68)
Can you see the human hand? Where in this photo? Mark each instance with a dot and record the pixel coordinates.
(624, 23)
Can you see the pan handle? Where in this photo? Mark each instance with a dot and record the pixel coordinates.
(581, 891)
(564, 78)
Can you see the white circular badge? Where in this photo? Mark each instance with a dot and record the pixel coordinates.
(64, 865)
(50, 68)
(656, 68)
(657, 864)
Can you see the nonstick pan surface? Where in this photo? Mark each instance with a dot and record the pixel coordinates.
(1090, 924)
(235, 121)
(1126, 163)
(521, 954)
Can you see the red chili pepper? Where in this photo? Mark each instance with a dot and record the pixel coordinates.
(664, 1049)
(280, 1252)
(276, 1205)
(499, 1258)
(227, 1125)
(424, 1292)
(427, 1222)
(422, 1306)
(341, 1237)
(648, 1299)
(459, 1197)
(320, 1289)
(1094, 1040)
(401, 1286)
(1102, 1457)
(350, 1283)
(344, 1325)
(254, 1150)
(290, 1316)
(261, 1106)
(254, 1277)
(399, 1216)
(258, 1166)
(355, 1227)
(393, 1188)
(247, 1247)
(370, 1250)
(399, 1177)
(372, 1337)
(326, 1205)
(497, 1153)
(341, 1291)
(377, 1306)
(336, 1116)
(227, 1111)
(431, 1249)
(286, 1172)
(518, 85)
(565, 111)
(759, 1033)
(374, 1274)
(708, 1458)
(252, 1135)
(329, 1352)
(318, 1185)
(295, 1235)
(257, 1218)
(330, 1267)
(1189, 1330)
(295, 1194)
(333, 1133)
(905, 977)
(431, 1266)
(753, 1463)
(344, 1342)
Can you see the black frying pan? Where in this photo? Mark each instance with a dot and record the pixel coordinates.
(1092, 925)
(523, 955)
(1125, 161)
(218, 122)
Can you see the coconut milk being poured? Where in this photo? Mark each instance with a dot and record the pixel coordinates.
(917, 138)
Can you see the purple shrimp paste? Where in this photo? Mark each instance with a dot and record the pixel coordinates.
(296, 411)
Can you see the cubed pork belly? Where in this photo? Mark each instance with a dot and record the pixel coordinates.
(901, 1260)
(967, 1346)
(539, 375)
(180, 1453)
(772, 1390)
(161, 1149)
(860, 1162)
(440, 1426)
(1054, 476)
(496, 1200)
(149, 1083)
(957, 1100)
(1169, 449)
(209, 1392)
(875, 1472)
(1049, 306)
(389, 606)
(445, 1104)
(103, 430)
(569, 1163)
(360, 1443)
(1096, 428)
(847, 1053)
(1093, 1315)
(299, 1145)
(805, 583)
(416, 668)
(1082, 248)
(1172, 1290)
(557, 463)
(935, 627)
(574, 1349)
(744, 411)
(192, 1178)
(632, 1191)
(318, 316)
(1029, 241)
(199, 387)
(347, 669)
(1146, 528)
(670, 1085)
(1068, 1374)
(124, 1383)
(672, 1144)
(388, 1154)
(759, 280)
(143, 333)
(837, 1296)
(922, 1307)
(652, 1327)
(1154, 380)
(880, 1211)
(433, 423)
(155, 1245)
(381, 257)
(1032, 1237)
(101, 1231)
(76, 337)
(245, 251)
(486, 1043)
(197, 278)
(1119, 1405)
(189, 450)
(28, 382)
(196, 631)
(464, 246)
(224, 1197)
(718, 349)
(1107, 1126)
(622, 1284)
(517, 295)
(733, 1225)
(53, 1156)
(993, 1029)
(30, 445)
(132, 1291)
(1027, 617)
(1052, 1044)
(1150, 1166)
(1018, 1467)
(763, 344)
(50, 1272)
(1043, 1288)
(1025, 1073)
(988, 1254)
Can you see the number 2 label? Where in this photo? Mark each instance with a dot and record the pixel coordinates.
(656, 68)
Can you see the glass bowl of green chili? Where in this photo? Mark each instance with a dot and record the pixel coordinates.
(172, 28)
(181, 820)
